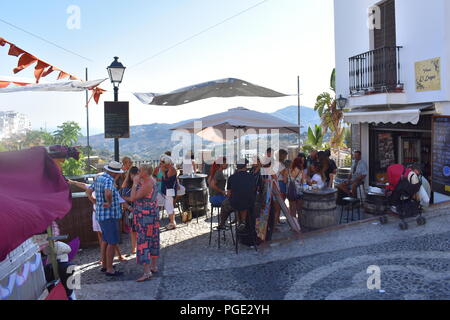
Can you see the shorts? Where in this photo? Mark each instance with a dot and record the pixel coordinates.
(110, 231)
(216, 201)
(95, 225)
(166, 202)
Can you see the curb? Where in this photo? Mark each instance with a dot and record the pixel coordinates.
(428, 213)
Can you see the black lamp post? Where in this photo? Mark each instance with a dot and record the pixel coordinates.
(116, 71)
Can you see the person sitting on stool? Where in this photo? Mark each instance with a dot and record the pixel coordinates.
(356, 177)
(241, 196)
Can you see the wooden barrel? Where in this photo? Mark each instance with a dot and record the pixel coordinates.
(196, 197)
(78, 222)
(319, 209)
(342, 175)
(376, 204)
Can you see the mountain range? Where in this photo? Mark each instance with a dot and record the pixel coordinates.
(151, 140)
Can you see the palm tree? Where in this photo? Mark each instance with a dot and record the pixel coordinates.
(330, 115)
(315, 139)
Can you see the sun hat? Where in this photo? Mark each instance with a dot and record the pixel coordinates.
(166, 159)
(114, 167)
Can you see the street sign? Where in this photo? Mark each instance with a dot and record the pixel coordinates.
(117, 120)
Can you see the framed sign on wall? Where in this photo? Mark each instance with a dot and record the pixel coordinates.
(428, 75)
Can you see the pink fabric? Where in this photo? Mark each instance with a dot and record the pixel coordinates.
(33, 194)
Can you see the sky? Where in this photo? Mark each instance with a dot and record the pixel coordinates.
(269, 45)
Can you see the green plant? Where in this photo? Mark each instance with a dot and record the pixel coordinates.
(67, 134)
(315, 138)
(72, 167)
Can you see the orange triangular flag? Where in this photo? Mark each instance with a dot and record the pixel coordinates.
(25, 61)
(62, 75)
(15, 51)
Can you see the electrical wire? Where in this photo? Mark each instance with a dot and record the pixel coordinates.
(198, 34)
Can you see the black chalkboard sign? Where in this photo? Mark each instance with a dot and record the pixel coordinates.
(117, 120)
(441, 154)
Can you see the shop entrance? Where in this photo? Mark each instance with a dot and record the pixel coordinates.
(400, 143)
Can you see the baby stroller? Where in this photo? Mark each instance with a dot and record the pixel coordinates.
(402, 197)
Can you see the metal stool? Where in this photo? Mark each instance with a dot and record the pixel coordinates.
(211, 230)
(350, 203)
(251, 221)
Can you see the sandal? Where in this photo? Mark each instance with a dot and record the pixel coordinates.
(171, 226)
(145, 277)
(115, 274)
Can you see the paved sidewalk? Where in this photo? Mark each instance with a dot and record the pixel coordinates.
(186, 256)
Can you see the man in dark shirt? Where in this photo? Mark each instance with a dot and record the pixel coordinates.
(241, 192)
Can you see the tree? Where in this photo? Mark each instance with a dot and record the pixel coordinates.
(330, 115)
(315, 139)
(67, 134)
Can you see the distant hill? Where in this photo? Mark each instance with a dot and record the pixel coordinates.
(308, 117)
(150, 141)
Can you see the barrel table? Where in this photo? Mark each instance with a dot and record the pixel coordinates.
(78, 222)
(319, 209)
(196, 197)
(342, 175)
(376, 204)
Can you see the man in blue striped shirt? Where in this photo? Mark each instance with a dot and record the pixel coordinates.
(108, 213)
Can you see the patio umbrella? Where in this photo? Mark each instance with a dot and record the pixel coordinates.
(214, 127)
(224, 88)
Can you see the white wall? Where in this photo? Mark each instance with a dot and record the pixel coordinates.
(351, 37)
(423, 29)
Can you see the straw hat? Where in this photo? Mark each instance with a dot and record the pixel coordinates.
(114, 167)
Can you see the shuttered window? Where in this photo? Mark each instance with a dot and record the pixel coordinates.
(386, 36)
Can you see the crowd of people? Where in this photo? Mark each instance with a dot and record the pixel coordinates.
(238, 194)
(128, 198)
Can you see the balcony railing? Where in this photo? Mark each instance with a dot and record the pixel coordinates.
(376, 71)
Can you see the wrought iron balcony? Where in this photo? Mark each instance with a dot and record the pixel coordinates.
(376, 71)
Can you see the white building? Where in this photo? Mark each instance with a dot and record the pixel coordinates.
(12, 122)
(393, 66)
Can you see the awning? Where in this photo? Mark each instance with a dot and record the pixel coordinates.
(224, 88)
(405, 114)
(62, 86)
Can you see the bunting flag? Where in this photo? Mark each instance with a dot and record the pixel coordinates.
(41, 70)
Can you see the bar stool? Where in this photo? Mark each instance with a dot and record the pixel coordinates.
(351, 203)
(226, 228)
(251, 221)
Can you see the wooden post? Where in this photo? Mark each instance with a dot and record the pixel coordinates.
(52, 254)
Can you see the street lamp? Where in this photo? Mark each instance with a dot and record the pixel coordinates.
(116, 71)
(341, 102)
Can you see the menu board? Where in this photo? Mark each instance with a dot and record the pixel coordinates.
(386, 154)
(117, 120)
(441, 155)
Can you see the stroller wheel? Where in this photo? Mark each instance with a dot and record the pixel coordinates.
(421, 221)
(384, 220)
(403, 225)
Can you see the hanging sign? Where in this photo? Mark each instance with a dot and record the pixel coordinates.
(117, 120)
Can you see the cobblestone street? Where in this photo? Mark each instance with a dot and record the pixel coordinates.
(415, 264)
